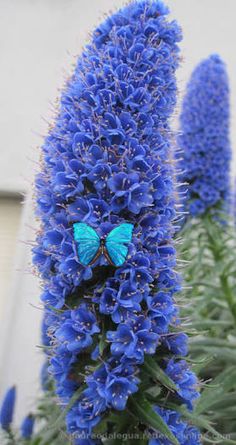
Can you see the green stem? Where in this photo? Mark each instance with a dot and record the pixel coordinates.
(204, 283)
(11, 438)
(228, 294)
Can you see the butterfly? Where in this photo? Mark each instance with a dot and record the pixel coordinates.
(114, 246)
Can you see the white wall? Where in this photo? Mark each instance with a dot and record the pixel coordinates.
(38, 42)
(10, 213)
(208, 27)
(20, 357)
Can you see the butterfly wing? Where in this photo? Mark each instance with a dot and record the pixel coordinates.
(88, 242)
(117, 243)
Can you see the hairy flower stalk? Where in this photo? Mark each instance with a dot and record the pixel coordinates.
(209, 241)
(110, 309)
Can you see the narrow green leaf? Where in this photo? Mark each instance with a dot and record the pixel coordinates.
(153, 391)
(156, 372)
(219, 441)
(102, 344)
(222, 354)
(65, 411)
(205, 342)
(36, 442)
(145, 413)
(197, 420)
(50, 431)
(207, 324)
(225, 401)
(225, 382)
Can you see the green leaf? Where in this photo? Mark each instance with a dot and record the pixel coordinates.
(205, 342)
(197, 420)
(153, 391)
(145, 413)
(48, 433)
(36, 442)
(102, 344)
(207, 324)
(221, 354)
(219, 441)
(65, 411)
(226, 401)
(157, 373)
(211, 276)
(225, 382)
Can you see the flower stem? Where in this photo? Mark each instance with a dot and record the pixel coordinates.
(218, 258)
(228, 294)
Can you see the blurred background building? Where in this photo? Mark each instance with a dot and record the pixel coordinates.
(39, 42)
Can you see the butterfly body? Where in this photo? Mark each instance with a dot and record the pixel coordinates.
(101, 251)
(114, 246)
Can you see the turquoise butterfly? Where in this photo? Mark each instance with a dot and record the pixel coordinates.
(114, 246)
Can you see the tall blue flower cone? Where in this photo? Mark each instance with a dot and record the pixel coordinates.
(208, 242)
(8, 408)
(109, 292)
(27, 427)
(204, 141)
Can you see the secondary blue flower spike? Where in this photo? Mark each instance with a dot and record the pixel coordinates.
(205, 145)
(7, 409)
(27, 427)
(106, 201)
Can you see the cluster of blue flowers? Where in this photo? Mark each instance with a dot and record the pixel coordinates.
(204, 123)
(106, 162)
(7, 411)
(7, 408)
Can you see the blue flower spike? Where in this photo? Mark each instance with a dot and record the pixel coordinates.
(27, 427)
(7, 409)
(205, 142)
(106, 201)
